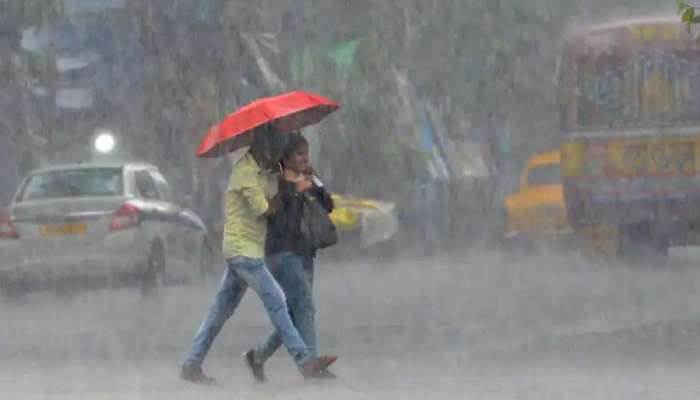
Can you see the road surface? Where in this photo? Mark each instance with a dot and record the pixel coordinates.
(468, 325)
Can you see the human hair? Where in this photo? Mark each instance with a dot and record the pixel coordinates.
(294, 140)
(268, 145)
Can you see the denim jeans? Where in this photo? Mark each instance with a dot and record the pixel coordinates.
(241, 273)
(294, 273)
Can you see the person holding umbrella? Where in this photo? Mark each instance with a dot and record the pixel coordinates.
(250, 199)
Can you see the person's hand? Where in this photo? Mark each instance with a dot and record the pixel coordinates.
(288, 175)
(304, 185)
(274, 204)
(310, 170)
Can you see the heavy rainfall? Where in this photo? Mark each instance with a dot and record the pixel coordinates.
(512, 186)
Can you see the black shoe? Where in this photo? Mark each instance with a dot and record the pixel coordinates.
(194, 374)
(256, 368)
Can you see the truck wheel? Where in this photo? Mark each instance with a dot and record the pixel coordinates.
(641, 244)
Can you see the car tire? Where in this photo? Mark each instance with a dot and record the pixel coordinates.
(206, 262)
(152, 278)
(518, 246)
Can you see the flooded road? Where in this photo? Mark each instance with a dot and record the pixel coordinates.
(472, 325)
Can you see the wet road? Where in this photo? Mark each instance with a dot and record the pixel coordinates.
(473, 325)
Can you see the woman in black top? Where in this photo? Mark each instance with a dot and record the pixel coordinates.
(289, 258)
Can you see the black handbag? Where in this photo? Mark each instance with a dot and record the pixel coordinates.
(317, 229)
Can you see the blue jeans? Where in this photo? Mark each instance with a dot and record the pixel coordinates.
(294, 273)
(241, 273)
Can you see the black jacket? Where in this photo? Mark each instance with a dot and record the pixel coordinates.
(283, 227)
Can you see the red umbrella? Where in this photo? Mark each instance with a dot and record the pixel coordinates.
(286, 112)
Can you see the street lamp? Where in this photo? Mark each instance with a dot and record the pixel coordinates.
(104, 142)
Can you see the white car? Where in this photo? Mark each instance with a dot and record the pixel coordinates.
(99, 225)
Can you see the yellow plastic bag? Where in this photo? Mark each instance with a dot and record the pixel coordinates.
(345, 219)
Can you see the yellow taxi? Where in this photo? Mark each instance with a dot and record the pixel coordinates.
(537, 207)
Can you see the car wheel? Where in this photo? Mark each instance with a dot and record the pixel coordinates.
(152, 278)
(206, 262)
(518, 245)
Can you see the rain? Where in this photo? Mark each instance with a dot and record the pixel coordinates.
(515, 189)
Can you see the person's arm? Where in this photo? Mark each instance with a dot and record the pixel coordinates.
(244, 181)
(319, 191)
(288, 213)
(325, 199)
(255, 197)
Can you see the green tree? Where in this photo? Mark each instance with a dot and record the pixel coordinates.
(368, 154)
(688, 13)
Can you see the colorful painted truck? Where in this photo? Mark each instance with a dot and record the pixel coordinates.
(630, 113)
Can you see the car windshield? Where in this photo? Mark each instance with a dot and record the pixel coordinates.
(73, 183)
(549, 174)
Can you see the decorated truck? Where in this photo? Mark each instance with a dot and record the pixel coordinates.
(630, 113)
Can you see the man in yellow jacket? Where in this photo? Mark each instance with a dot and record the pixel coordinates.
(248, 203)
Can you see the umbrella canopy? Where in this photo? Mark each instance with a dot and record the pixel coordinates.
(286, 113)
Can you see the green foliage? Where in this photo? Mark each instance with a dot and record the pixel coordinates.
(507, 52)
(490, 65)
(369, 156)
(688, 13)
